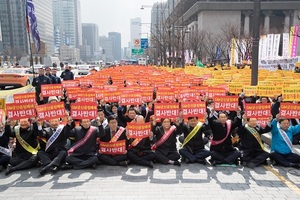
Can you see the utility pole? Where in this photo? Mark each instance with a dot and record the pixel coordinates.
(256, 24)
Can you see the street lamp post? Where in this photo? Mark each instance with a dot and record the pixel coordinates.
(255, 47)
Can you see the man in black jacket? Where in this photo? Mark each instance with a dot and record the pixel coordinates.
(67, 74)
(253, 150)
(27, 146)
(193, 150)
(55, 151)
(50, 75)
(222, 151)
(84, 153)
(37, 82)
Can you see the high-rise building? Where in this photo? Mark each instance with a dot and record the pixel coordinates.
(90, 37)
(67, 22)
(13, 27)
(44, 15)
(116, 44)
(135, 30)
(106, 44)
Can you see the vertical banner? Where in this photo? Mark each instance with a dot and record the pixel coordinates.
(264, 47)
(232, 57)
(260, 48)
(292, 30)
(285, 45)
(276, 46)
(270, 40)
(295, 41)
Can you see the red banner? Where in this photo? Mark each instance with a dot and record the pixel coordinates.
(214, 91)
(134, 130)
(226, 103)
(20, 110)
(84, 110)
(87, 97)
(147, 96)
(263, 122)
(130, 99)
(166, 110)
(51, 90)
(72, 93)
(165, 96)
(51, 111)
(111, 96)
(67, 84)
(258, 110)
(290, 110)
(118, 147)
(193, 109)
(24, 98)
(189, 95)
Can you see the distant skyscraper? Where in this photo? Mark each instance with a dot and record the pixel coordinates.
(116, 44)
(13, 27)
(67, 20)
(106, 45)
(135, 30)
(90, 37)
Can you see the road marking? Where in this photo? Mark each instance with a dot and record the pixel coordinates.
(288, 183)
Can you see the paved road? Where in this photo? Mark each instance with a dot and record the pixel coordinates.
(189, 182)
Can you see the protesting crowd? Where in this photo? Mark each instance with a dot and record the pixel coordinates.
(144, 115)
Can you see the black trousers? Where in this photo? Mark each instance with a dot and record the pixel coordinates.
(200, 154)
(164, 158)
(144, 159)
(112, 160)
(82, 162)
(54, 158)
(228, 157)
(20, 163)
(285, 159)
(255, 156)
(4, 159)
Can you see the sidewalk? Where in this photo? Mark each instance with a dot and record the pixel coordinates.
(188, 182)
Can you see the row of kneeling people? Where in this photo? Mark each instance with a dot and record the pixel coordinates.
(160, 146)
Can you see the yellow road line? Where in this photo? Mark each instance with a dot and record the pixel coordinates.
(288, 183)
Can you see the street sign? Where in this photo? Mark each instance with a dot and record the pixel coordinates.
(137, 43)
(137, 51)
(144, 43)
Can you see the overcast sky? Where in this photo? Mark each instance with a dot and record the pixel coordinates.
(115, 15)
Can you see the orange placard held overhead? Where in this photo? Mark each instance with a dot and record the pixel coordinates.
(214, 91)
(87, 97)
(67, 84)
(20, 110)
(84, 110)
(165, 95)
(130, 99)
(166, 110)
(118, 147)
(134, 130)
(226, 103)
(193, 109)
(258, 110)
(51, 111)
(290, 110)
(111, 96)
(51, 90)
(24, 97)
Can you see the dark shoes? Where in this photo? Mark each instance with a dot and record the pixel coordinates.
(9, 170)
(1, 168)
(251, 165)
(177, 163)
(66, 166)
(123, 163)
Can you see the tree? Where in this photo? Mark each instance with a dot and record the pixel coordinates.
(195, 43)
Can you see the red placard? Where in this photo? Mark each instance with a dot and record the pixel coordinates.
(67, 84)
(118, 147)
(290, 110)
(24, 98)
(165, 96)
(51, 111)
(226, 103)
(166, 110)
(134, 130)
(258, 110)
(193, 109)
(147, 96)
(84, 110)
(111, 96)
(73, 93)
(51, 90)
(20, 110)
(262, 122)
(214, 91)
(189, 95)
(87, 97)
(130, 99)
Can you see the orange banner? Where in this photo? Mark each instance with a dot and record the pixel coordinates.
(226, 103)
(51, 111)
(24, 98)
(165, 95)
(290, 110)
(193, 109)
(51, 90)
(88, 96)
(130, 99)
(118, 147)
(73, 93)
(84, 110)
(20, 110)
(166, 110)
(67, 84)
(213, 91)
(134, 130)
(258, 110)
(111, 96)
